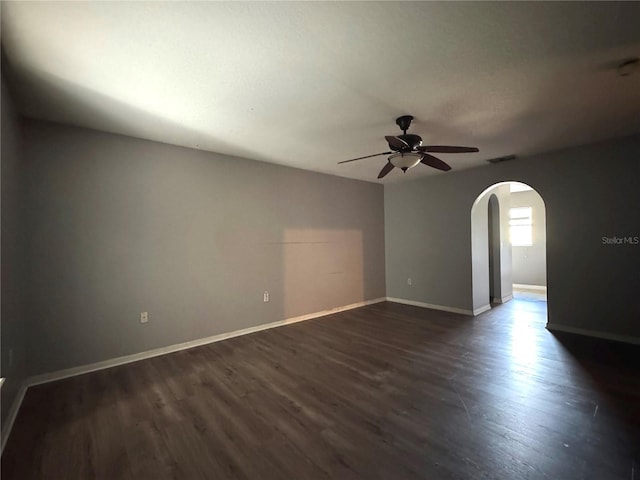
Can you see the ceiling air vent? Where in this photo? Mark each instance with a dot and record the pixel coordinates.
(501, 159)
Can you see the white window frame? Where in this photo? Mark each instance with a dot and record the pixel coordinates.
(521, 220)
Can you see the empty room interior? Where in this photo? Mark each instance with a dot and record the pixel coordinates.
(320, 240)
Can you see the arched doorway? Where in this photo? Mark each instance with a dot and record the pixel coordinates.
(493, 237)
(508, 245)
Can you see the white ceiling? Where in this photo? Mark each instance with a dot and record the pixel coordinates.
(310, 84)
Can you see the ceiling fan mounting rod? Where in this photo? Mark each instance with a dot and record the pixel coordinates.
(404, 122)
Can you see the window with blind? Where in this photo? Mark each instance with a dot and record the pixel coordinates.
(521, 227)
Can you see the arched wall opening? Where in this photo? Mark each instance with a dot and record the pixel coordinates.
(493, 236)
(508, 244)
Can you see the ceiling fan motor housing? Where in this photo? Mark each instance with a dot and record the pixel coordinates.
(413, 141)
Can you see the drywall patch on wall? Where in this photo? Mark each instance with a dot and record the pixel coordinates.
(330, 260)
(122, 226)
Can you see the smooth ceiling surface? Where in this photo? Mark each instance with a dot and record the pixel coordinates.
(310, 84)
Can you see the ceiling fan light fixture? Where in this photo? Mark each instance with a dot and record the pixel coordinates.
(406, 151)
(405, 160)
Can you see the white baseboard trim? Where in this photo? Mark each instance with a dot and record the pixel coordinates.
(479, 310)
(523, 286)
(502, 299)
(12, 414)
(113, 362)
(593, 333)
(430, 305)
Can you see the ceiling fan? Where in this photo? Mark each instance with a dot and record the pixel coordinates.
(407, 151)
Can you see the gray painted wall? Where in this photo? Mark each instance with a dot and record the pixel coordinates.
(13, 314)
(494, 234)
(529, 263)
(120, 225)
(589, 192)
(506, 261)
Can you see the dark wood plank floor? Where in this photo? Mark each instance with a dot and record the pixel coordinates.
(382, 392)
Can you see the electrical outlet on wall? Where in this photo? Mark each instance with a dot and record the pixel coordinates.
(409, 282)
(144, 317)
(265, 297)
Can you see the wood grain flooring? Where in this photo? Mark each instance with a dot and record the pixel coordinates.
(386, 391)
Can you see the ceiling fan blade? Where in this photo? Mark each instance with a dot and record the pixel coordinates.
(386, 169)
(395, 142)
(447, 149)
(367, 156)
(434, 162)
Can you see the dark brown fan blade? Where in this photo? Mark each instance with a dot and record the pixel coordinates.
(395, 142)
(447, 149)
(434, 162)
(367, 156)
(386, 169)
